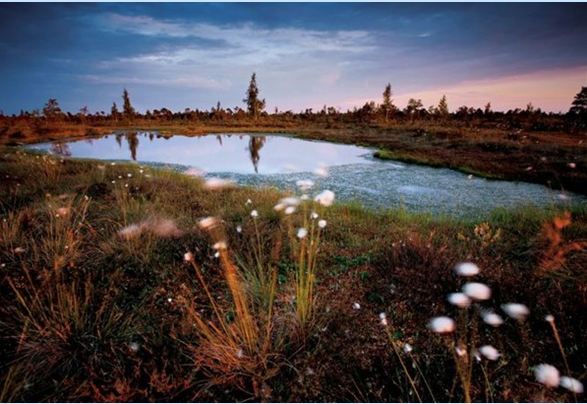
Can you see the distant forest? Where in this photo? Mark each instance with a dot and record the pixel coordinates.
(384, 112)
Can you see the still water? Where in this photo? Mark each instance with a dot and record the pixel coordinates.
(353, 174)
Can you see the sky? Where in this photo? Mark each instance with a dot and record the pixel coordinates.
(306, 55)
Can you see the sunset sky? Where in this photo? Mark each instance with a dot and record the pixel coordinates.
(305, 55)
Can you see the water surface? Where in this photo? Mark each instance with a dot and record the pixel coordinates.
(353, 174)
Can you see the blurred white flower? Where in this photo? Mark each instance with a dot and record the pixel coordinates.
(572, 165)
(321, 171)
(290, 201)
(129, 175)
(489, 352)
(254, 214)
(547, 375)
(208, 223)
(383, 318)
(516, 310)
(19, 250)
(215, 184)
(239, 229)
(134, 346)
(163, 227)
(314, 215)
(477, 291)
(466, 269)
(63, 211)
(220, 245)
(304, 197)
(305, 185)
(216, 254)
(442, 324)
(549, 318)
(289, 210)
(322, 223)
(459, 299)
(492, 318)
(188, 257)
(460, 350)
(131, 231)
(248, 202)
(571, 384)
(279, 207)
(356, 306)
(302, 233)
(408, 348)
(325, 198)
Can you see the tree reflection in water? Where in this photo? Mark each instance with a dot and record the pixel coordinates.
(133, 144)
(60, 149)
(255, 145)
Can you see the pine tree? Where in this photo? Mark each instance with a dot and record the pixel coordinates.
(254, 105)
(579, 105)
(387, 105)
(114, 111)
(128, 109)
(442, 109)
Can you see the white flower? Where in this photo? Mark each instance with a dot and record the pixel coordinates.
(489, 352)
(239, 229)
(356, 306)
(188, 257)
(305, 185)
(208, 223)
(322, 223)
(492, 318)
(442, 324)
(572, 165)
(129, 175)
(19, 250)
(408, 348)
(549, 318)
(571, 384)
(221, 245)
(459, 299)
(248, 202)
(279, 207)
(383, 318)
(516, 310)
(314, 215)
(304, 197)
(63, 211)
(466, 269)
(302, 233)
(460, 350)
(193, 172)
(547, 375)
(290, 201)
(325, 198)
(254, 214)
(134, 346)
(131, 231)
(215, 184)
(477, 291)
(289, 210)
(216, 254)
(321, 171)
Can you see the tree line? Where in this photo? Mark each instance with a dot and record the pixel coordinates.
(370, 113)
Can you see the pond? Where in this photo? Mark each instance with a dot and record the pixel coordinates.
(353, 174)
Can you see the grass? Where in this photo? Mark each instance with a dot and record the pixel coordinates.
(90, 311)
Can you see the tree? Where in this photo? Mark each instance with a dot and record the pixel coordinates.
(114, 112)
(413, 108)
(579, 104)
(254, 105)
(127, 108)
(487, 110)
(387, 105)
(51, 110)
(442, 109)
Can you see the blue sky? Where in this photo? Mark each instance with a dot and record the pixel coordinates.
(305, 55)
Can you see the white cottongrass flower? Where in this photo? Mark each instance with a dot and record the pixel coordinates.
(460, 350)
(254, 214)
(408, 348)
(491, 318)
(547, 375)
(459, 299)
(290, 201)
(571, 384)
(321, 171)
(572, 165)
(248, 202)
(208, 223)
(239, 229)
(279, 207)
(216, 254)
(19, 250)
(467, 269)
(322, 223)
(442, 324)
(305, 185)
(477, 291)
(134, 346)
(220, 245)
(188, 257)
(194, 172)
(131, 231)
(163, 227)
(215, 184)
(302, 232)
(289, 210)
(304, 197)
(517, 311)
(129, 175)
(325, 198)
(383, 318)
(489, 352)
(549, 318)
(314, 215)
(356, 306)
